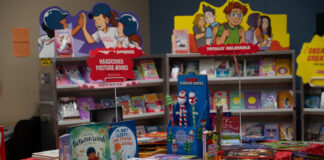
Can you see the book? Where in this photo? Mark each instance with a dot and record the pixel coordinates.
(286, 132)
(73, 74)
(176, 69)
(249, 154)
(211, 144)
(322, 100)
(236, 101)
(2, 144)
(47, 155)
(68, 107)
(191, 67)
(137, 75)
(85, 104)
(296, 155)
(140, 131)
(285, 99)
(85, 72)
(65, 147)
(220, 98)
(267, 67)
(233, 72)
(269, 100)
(107, 102)
(139, 104)
(222, 68)
(148, 69)
(254, 129)
(125, 103)
(90, 141)
(231, 125)
(63, 42)
(139, 70)
(152, 103)
(180, 41)
(206, 67)
(251, 100)
(271, 131)
(252, 68)
(150, 129)
(61, 78)
(312, 102)
(283, 67)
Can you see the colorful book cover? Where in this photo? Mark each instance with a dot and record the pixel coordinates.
(269, 100)
(251, 100)
(107, 102)
(206, 67)
(267, 67)
(180, 41)
(176, 69)
(2, 144)
(140, 131)
(85, 104)
(254, 129)
(220, 98)
(125, 103)
(271, 131)
(61, 78)
(222, 68)
(231, 125)
(312, 102)
(137, 75)
(322, 100)
(283, 67)
(138, 103)
(85, 72)
(211, 144)
(148, 70)
(65, 147)
(73, 74)
(191, 67)
(152, 103)
(123, 140)
(236, 102)
(252, 68)
(285, 99)
(139, 70)
(233, 72)
(63, 40)
(150, 129)
(90, 142)
(68, 107)
(305, 156)
(286, 132)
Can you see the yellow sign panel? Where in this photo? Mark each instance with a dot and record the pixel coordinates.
(45, 62)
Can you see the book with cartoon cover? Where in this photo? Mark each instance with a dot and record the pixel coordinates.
(236, 102)
(222, 68)
(283, 67)
(138, 103)
(285, 99)
(251, 100)
(207, 67)
(252, 68)
(63, 40)
(286, 132)
(267, 67)
(148, 69)
(65, 147)
(125, 103)
(85, 104)
(152, 103)
(220, 98)
(180, 41)
(191, 67)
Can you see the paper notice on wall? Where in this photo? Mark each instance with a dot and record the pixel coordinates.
(20, 38)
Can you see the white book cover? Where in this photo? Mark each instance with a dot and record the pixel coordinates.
(207, 67)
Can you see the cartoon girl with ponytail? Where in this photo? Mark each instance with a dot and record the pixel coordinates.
(127, 29)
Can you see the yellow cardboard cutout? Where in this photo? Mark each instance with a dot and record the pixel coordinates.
(311, 62)
(278, 23)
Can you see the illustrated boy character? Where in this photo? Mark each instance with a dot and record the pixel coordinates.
(118, 151)
(103, 17)
(212, 25)
(231, 32)
(127, 29)
(91, 153)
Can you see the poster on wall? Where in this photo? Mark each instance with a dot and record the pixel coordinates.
(233, 27)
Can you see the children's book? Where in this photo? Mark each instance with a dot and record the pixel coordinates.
(139, 70)
(252, 68)
(125, 103)
(176, 69)
(233, 72)
(283, 67)
(312, 102)
(61, 78)
(271, 131)
(206, 67)
(65, 147)
(148, 70)
(107, 102)
(85, 104)
(137, 75)
(73, 74)
(68, 107)
(90, 141)
(286, 132)
(254, 129)
(85, 72)
(140, 131)
(322, 100)
(305, 156)
(211, 144)
(231, 125)
(63, 40)
(251, 100)
(269, 100)
(180, 42)
(267, 67)
(222, 68)
(236, 101)
(2, 144)
(249, 154)
(191, 67)
(152, 103)
(220, 98)
(138, 103)
(150, 129)
(285, 99)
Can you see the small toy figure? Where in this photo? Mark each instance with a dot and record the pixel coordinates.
(182, 111)
(191, 136)
(174, 146)
(193, 101)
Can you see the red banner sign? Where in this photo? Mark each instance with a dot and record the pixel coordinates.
(228, 49)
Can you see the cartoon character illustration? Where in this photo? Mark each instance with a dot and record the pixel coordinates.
(182, 111)
(267, 32)
(174, 146)
(212, 27)
(199, 30)
(103, 16)
(192, 102)
(253, 34)
(191, 136)
(118, 151)
(127, 29)
(232, 32)
(64, 43)
(53, 19)
(74, 75)
(61, 78)
(91, 153)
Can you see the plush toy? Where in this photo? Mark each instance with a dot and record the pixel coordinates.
(193, 101)
(182, 111)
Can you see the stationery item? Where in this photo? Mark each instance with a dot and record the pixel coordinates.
(252, 68)
(152, 103)
(139, 104)
(236, 101)
(69, 107)
(269, 100)
(271, 131)
(267, 67)
(207, 67)
(251, 100)
(286, 132)
(222, 68)
(312, 102)
(85, 104)
(283, 67)
(192, 102)
(191, 67)
(220, 98)
(180, 41)
(285, 99)
(63, 40)
(65, 147)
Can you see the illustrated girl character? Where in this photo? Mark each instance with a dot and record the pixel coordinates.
(91, 153)
(232, 32)
(54, 18)
(199, 30)
(212, 27)
(118, 151)
(127, 29)
(103, 17)
(253, 34)
(266, 31)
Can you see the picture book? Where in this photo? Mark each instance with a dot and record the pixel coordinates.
(211, 144)
(61, 78)
(161, 97)
(220, 98)
(2, 144)
(191, 67)
(206, 67)
(254, 129)
(271, 131)
(222, 68)
(236, 101)
(180, 42)
(286, 132)
(269, 100)
(85, 104)
(63, 42)
(231, 125)
(251, 100)
(85, 72)
(150, 129)
(176, 69)
(249, 154)
(283, 67)
(230, 142)
(233, 72)
(148, 70)
(125, 103)
(312, 102)
(305, 156)
(267, 67)
(65, 147)
(68, 107)
(285, 99)
(107, 102)
(152, 103)
(140, 131)
(138, 103)
(139, 70)
(73, 74)
(123, 140)
(252, 68)
(137, 75)
(90, 141)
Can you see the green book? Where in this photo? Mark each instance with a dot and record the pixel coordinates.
(235, 101)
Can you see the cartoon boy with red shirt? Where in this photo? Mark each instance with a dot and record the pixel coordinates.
(91, 153)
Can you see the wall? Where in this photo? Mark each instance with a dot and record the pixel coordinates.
(19, 76)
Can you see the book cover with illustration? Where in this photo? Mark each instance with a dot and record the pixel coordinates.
(233, 72)
(180, 41)
(63, 42)
(90, 142)
(74, 75)
(177, 68)
(138, 103)
(267, 67)
(236, 102)
(140, 131)
(283, 67)
(61, 78)
(207, 67)
(254, 129)
(125, 103)
(286, 132)
(285, 99)
(191, 67)
(65, 147)
(312, 102)
(85, 104)
(252, 68)
(220, 98)
(148, 70)
(222, 68)
(152, 103)
(251, 100)
(2, 144)
(271, 131)
(269, 100)
(211, 144)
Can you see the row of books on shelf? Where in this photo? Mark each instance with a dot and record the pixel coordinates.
(314, 101)
(224, 68)
(314, 131)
